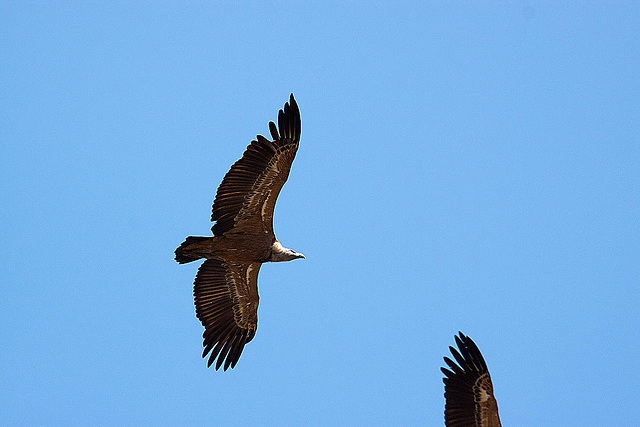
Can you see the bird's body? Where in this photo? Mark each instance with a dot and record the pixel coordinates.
(239, 248)
(226, 288)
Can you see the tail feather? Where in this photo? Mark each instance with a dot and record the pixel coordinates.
(191, 249)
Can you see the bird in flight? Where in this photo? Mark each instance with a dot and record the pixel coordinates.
(225, 289)
(468, 390)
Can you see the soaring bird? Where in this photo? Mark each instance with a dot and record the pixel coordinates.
(468, 390)
(225, 289)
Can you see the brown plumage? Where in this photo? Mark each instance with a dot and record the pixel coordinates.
(468, 390)
(226, 286)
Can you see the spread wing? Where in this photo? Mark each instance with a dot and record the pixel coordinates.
(468, 390)
(246, 198)
(226, 298)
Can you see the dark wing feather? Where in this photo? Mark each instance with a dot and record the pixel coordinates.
(226, 298)
(468, 390)
(247, 195)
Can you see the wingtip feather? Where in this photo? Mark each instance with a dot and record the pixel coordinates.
(273, 129)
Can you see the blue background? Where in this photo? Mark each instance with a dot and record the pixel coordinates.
(463, 166)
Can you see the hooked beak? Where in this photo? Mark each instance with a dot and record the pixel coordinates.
(299, 255)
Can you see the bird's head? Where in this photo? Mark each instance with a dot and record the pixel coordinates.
(280, 253)
(287, 255)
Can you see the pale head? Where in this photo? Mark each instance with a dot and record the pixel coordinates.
(280, 253)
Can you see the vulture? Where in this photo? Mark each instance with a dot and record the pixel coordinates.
(468, 391)
(225, 289)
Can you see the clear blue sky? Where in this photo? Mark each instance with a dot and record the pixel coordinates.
(470, 167)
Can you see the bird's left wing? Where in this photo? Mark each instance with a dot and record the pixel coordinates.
(247, 196)
(468, 390)
(226, 298)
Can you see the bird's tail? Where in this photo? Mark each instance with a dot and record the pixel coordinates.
(192, 249)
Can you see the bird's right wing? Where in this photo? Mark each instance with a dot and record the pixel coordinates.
(468, 390)
(226, 298)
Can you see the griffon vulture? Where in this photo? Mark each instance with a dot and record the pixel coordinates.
(468, 390)
(226, 286)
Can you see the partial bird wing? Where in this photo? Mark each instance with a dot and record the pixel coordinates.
(468, 390)
(246, 198)
(226, 297)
